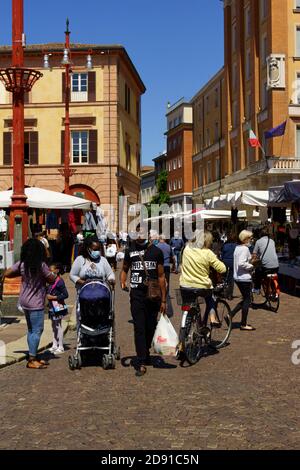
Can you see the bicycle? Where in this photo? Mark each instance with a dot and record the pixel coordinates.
(270, 290)
(195, 333)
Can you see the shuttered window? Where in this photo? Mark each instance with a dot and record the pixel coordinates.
(31, 148)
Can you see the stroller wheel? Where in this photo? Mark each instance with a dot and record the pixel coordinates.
(72, 362)
(108, 361)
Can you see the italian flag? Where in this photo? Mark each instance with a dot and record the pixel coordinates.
(253, 140)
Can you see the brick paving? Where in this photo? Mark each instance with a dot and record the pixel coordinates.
(245, 397)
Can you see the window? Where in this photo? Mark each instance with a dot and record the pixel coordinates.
(128, 155)
(218, 168)
(297, 4)
(175, 164)
(170, 124)
(234, 114)
(297, 101)
(207, 104)
(200, 177)
(234, 159)
(248, 22)
(179, 162)
(234, 77)
(263, 9)
(298, 41)
(248, 106)
(79, 82)
(174, 143)
(175, 185)
(170, 186)
(248, 59)
(127, 98)
(207, 138)
(180, 183)
(298, 143)
(264, 53)
(234, 36)
(216, 98)
(209, 172)
(216, 131)
(79, 146)
(79, 87)
(170, 166)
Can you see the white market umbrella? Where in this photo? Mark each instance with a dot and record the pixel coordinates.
(40, 198)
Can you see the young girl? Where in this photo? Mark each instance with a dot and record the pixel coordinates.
(57, 293)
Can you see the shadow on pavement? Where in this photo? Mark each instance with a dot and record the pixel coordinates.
(156, 362)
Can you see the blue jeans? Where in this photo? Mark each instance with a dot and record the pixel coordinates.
(35, 325)
(177, 255)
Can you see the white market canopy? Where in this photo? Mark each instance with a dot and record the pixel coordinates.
(238, 199)
(45, 199)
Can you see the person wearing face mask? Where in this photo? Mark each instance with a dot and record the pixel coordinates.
(144, 311)
(242, 273)
(91, 264)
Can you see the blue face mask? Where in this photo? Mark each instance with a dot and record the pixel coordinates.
(94, 254)
(155, 242)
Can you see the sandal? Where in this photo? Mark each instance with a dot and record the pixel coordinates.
(35, 365)
(141, 371)
(247, 328)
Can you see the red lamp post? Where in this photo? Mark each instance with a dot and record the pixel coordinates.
(66, 171)
(17, 80)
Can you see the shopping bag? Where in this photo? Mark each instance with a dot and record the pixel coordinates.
(165, 338)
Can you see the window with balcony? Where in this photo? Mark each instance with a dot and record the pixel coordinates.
(79, 147)
(79, 87)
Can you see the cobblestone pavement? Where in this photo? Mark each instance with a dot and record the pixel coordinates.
(245, 397)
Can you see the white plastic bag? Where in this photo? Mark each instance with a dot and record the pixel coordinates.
(165, 338)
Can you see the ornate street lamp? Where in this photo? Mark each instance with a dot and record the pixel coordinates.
(18, 80)
(67, 172)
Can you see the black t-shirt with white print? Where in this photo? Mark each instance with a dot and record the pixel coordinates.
(152, 255)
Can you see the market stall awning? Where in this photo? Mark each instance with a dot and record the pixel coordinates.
(40, 198)
(238, 199)
(288, 193)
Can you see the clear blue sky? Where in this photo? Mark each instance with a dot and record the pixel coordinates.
(176, 45)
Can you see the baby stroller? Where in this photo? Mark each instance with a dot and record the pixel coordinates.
(96, 324)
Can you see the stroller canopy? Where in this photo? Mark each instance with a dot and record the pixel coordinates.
(95, 290)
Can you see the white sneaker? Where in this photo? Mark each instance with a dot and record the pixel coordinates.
(59, 351)
(52, 349)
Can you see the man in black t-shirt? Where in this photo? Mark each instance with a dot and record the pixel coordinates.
(144, 311)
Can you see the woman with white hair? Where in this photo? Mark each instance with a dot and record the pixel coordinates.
(243, 269)
(197, 260)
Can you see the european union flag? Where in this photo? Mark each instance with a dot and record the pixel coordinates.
(276, 132)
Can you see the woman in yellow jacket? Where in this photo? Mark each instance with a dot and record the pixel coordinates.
(195, 282)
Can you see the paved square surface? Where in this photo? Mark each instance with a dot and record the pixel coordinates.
(245, 397)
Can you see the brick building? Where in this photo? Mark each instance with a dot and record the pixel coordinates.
(179, 154)
(259, 84)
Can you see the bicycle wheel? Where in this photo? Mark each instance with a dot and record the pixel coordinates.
(220, 336)
(272, 297)
(193, 341)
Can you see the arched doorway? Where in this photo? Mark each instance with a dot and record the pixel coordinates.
(85, 192)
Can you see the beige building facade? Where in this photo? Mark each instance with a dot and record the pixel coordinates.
(260, 83)
(105, 124)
